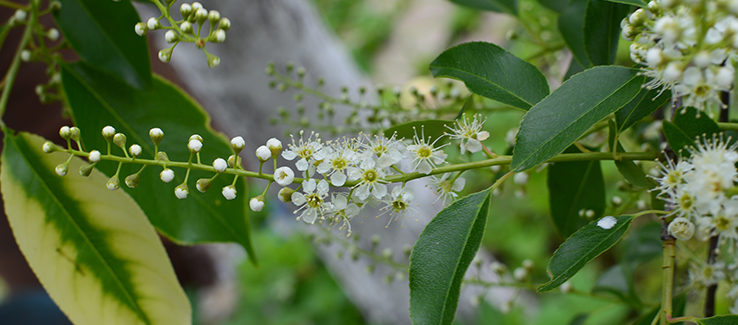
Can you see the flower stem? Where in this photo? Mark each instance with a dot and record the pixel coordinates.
(14, 66)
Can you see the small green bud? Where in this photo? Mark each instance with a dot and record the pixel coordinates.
(203, 184)
(74, 133)
(225, 24)
(49, 147)
(285, 194)
(120, 140)
(270, 69)
(165, 55)
(62, 169)
(213, 17)
(300, 72)
(65, 132)
(201, 15)
(185, 9)
(232, 161)
(163, 156)
(113, 183)
(213, 61)
(132, 180)
(156, 135)
(186, 27)
(85, 170)
(108, 133)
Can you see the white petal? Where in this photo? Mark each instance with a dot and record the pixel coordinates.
(309, 216)
(354, 173)
(380, 190)
(459, 184)
(309, 185)
(302, 164)
(424, 167)
(323, 187)
(338, 179)
(298, 199)
(363, 191)
(289, 154)
(324, 167)
(474, 145)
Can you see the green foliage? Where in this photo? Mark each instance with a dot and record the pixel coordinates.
(96, 99)
(432, 129)
(602, 30)
(644, 104)
(490, 71)
(441, 256)
(686, 128)
(571, 26)
(718, 320)
(575, 187)
(101, 33)
(581, 248)
(627, 168)
(556, 122)
(93, 250)
(505, 6)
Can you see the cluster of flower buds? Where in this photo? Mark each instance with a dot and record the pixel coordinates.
(686, 46)
(189, 29)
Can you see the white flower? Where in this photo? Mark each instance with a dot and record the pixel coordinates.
(389, 151)
(166, 175)
(152, 23)
(425, 156)
(135, 150)
(284, 176)
(256, 203)
(398, 203)
(607, 222)
(521, 178)
(312, 202)
(681, 228)
(194, 145)
(470, 134)
(336, 160)
(305, 149)
(181, 191)
(263, 153)
(229, 192)
(370, 180)
(445, 189)
(342, 211)
(238, 143)
(94, 156)
(220, 165)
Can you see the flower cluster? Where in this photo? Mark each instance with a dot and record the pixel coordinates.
(686, 46)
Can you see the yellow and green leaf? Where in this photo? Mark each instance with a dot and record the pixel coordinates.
(93, 250)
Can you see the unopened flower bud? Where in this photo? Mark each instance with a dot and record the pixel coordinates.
(196, 6)
(134, 150)
(20, 15)
(156, 134)
(285, 194)
(219, 36)
(220, 165)
(52, 34)
(256, 203)
(185, 9)
(498, 268)
(232, 161)
(520, 178)
(49, 147)
(213, 17)
(229, 192)
(566, 287)
(171, 36)
(85, 170)
(263, 153)
(108, 133)
(213, 60)
(275, 146)
(165, 55)
(200, 15)
(387, 253)
(181, 191)
(186, 27)
(194, 145)
(62, 169)
(238, 143)
(284, 176)
(113, 183)
(132, 180)
(617, 201)
(681, 228)
(166, 175)
(74, 133)
(203, 184)
(25, 55)
(94, 156)
(152, 23)
(225, 24)
(520, 274)
(119, 139)
(162, 156)
(528, 264)
(65, 132)
(375, 240)
(141, 29)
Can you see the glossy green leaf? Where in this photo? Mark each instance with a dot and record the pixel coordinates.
(506, 6)
(579, 319)
(432, 129)
(93, 250)
(642, 245)
(441, 257)
(719, 320)
(677, 139)
(101, 32)
(574, 68)
(564, 116)
(643, 105)
(573, 187)
(602, 30)
(97, 100)
(687, 127)
(571, 26)
(490, 71)
(581, 248)
(630, 171)
(639, 3)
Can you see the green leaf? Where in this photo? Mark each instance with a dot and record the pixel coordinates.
(719, 320)
(441, 257)
(97, 100)
(687, 127)
(426, 129)
(602, 30)
(564, 116)
(579, 319)
(101, 32)
(92, 249)
(639, 3)
(615, 281)
(574, 68)
(555, 5)
(628, 168)
(676, 138)
(571, 26)
(506, 6)
(679, 303)
(490, 71)
(645, 103)
(574, 186)
(581, 248)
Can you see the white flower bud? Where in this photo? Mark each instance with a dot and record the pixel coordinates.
(724, 77)
(616, 200)
(520, 178)
(256, 203)
(132, 180)
(156, 134)
(74, 133)
(185, 9)
(62, 169)
(498, 268)
(702, 59)
(213, 16)
(275, 146)
(589, 213)
(196, 6)
(186, 27)
(25, 55)
(495, 168)
(263, 153)
(641, 205)
(65, 132)
(49, 147)
(285, 194)
(165, 55)
(654, 57)
(52, 34)
(166, 175)
(681, 228)
(284, 176)
(520, 274)
(108, 133)
(196, 137)
(120, 140)
(135, 150)
(225, 24)
(566, 287)
(213, 61)
(220, 165)
(201, 14)
(141, 29)
(229, 192)
(194, 145)
(528, 264)
(20, 15)
(171, 36)
(203, 184)
(673, 71)
(219, 36)
(113, 183)
(238, 143)
(181, 191)
(94, 156)
(152, 23)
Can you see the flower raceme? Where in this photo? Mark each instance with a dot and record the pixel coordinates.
(361, 164)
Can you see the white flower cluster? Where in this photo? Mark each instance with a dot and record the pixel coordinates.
(686, 46)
